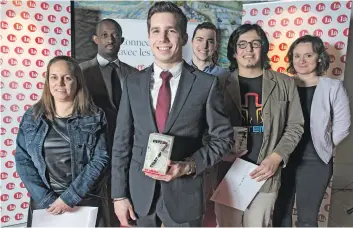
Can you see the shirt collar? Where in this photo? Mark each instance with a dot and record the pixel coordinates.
(175, 71)
(104, 62)
(207, 68)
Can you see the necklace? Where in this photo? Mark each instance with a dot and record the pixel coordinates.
(69, 115)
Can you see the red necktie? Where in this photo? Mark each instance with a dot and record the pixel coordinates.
(163, 101)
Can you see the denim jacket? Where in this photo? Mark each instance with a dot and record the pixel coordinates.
(89, 156)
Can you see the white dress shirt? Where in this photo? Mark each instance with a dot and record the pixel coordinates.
(103, 62)
(156, 82)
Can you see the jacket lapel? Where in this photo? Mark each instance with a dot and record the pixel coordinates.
(187, 79)
(232, 86)
(267, 87)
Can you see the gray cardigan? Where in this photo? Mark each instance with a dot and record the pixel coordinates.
(330, 117)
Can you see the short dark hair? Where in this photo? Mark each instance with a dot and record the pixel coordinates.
(168, 7)
(205, 25)
(110, 21)
(234, 37)
(318, 48)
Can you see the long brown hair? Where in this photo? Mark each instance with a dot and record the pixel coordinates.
(83, 104)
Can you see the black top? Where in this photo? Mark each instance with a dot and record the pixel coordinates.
(305, 149)
(57, 155)
(251, 111)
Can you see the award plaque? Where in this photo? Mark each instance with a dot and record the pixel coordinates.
(158, 153)
(241, 140)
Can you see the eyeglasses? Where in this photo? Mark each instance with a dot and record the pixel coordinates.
(253, 44)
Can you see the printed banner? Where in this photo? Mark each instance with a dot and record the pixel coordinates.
(32, 32)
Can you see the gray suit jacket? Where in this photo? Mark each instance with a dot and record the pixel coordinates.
(198, 106)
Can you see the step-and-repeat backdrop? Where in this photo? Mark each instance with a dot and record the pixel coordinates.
(32, 32)
(284, 22)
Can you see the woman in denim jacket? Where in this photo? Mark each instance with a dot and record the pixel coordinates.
(325, 106)
(61, 153)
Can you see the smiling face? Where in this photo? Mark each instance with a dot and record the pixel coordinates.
(305, 60)
(62, 84)
(250, 56)
(204, 44)
(166, 40)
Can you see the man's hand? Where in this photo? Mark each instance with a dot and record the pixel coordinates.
(124, 211)
(267, 168)
(176, 169)
(58, 207)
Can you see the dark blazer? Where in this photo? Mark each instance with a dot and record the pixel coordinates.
(198, 106)
(101, 92)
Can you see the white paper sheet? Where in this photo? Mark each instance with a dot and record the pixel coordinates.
(237, 188)
(82, 217)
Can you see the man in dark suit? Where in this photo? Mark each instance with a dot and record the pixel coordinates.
(104, 76)
(172, 98)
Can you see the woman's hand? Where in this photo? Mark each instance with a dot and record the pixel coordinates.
(58, 207)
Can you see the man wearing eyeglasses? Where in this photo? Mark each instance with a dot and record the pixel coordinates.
(267, 104)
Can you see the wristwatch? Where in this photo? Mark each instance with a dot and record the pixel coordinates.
(192, 163)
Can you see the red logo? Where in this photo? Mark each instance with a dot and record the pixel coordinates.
(14, 130)
(65, 42)
(320, 7)
(342, 18)
(64, 20)
(3, 131)
(333, 32)
(45, 52)
(10, 13)
(68, 31)
(312, 20)
(9, 164)
(335, 5)
(275, 58)
(327, 19)
(44, 5)
(306, 8)
(5, 49)
(6, 97)
(32, 28)
(52, 41)
(280, 69)
(4, 197)
(7, 119)
(19, 74)
(247, 22)
(19, 216)
(14, 108)
(32, 51)
(285, 22)
(349, 5)
(343, 58)
(58, 52)
(57, 7)
(337, 71)
(58, 30)
(332, 58)
(26, 39)
(5, 73)
(298, 21)
(33, 74)
(18, 120)
(33, 97)
(3, 2)
(39, 40)
(11, 207)
(318, 32)
(31, 4)
(17, 3)
(15, 174)
(19, 50)
(68, 53)
(283, 46)
(45, 29)
(24, 205)
(27, 107)
(27, 85)
(51, 18)
(2, 108)
(3, 153)
(44, 74)
(266, 11)
(253, 12)
(20, 96)
(13, 62)
(272, 23)
(292, 9)
(260, 23)
(13, 85)
(25, 15)
(40, 63)
(339, 45)
(11, 38)
(4, 25)
(40, 85)
(8, 142)
(38, 17)
(2, 85)
(5, 218)
(26, 62)
(271, 47)
(68, 9)
(278, 10)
